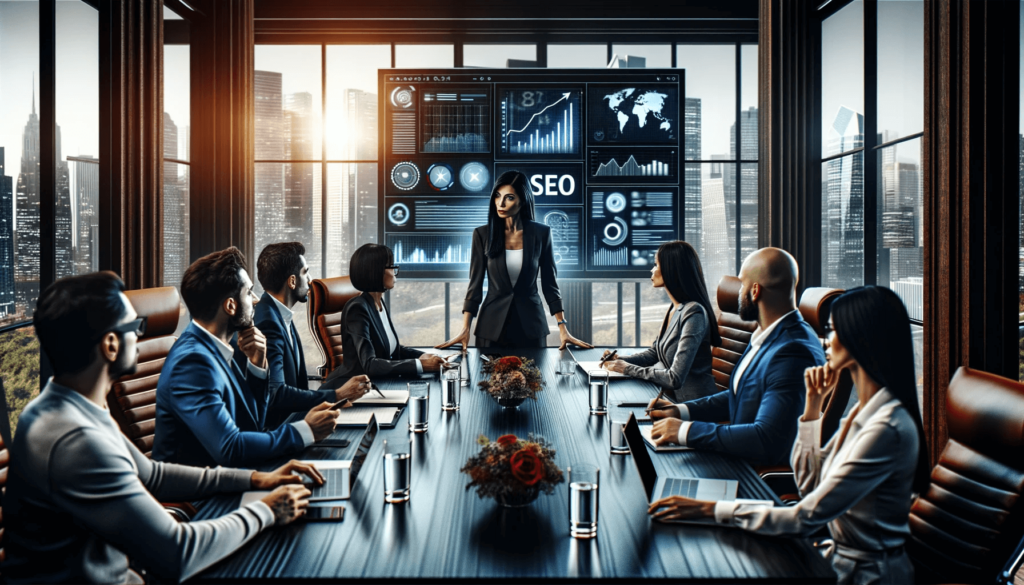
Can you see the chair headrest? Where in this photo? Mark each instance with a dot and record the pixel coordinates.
(161, 306)
(329, 295)
(816, 306)
(729, 294)
(986, 412)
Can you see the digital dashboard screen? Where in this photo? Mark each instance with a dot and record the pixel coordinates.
(601, 150)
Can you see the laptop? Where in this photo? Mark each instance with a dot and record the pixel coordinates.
(340, 476)
(711, 490)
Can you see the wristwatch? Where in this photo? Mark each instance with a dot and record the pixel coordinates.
(563, 322)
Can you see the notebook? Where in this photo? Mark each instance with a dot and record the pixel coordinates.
(391, 398)
(359, 416)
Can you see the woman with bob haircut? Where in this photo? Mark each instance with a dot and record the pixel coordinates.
(687, 333)
(512, 250)
(861, 483)
(368, 338)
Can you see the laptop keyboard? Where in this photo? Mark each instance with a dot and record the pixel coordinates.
(679, 487)
(334, 484)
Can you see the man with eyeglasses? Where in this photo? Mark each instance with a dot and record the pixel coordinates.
(284, 274)
(212, 397)
(81, 499)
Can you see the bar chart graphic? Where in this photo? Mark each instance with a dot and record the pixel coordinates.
(429, 250)
(540, 122)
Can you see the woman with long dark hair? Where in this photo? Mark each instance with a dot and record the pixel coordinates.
(862, 481)
(679, 360)
(512, 250)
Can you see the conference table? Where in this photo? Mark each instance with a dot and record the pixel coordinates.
(446, 532)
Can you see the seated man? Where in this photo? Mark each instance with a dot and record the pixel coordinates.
(284, 274)
(80, 498)
(766, 390)
(211, 401)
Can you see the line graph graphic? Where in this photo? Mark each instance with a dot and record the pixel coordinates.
(456, 122)
(649, 165)
(540, 122)
(430, 251)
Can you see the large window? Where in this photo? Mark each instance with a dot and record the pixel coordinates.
(177, 136)
(872, 78)
(316, 166)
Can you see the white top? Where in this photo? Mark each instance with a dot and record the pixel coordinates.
(392, 338)
(286, 315)
(756, 341)
(514, 262)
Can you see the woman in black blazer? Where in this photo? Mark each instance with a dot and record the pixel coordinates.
(368, 338)
(512, 250)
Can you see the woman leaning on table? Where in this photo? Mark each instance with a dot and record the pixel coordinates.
(687, 333)
(512, 250)
(861, 483)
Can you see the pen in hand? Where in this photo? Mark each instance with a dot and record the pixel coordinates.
(614, 354)
(650, 408)
(377, 390)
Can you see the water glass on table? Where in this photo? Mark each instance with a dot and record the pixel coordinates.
(451, 387)
(583, 500)
(617, 419)
(397, 470)
(419, 400)
(566, 366)
(598, 391)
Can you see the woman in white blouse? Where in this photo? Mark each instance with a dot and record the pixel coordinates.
(862, 481)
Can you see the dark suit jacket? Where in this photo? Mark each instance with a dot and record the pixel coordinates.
(763, 412)
(364, 345)
(208, 413)
(538, 258)
(286, 367)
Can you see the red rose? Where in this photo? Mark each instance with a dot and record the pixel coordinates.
(511, 361)
(507, 440)
(526, 466)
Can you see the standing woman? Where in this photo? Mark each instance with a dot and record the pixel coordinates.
(687, 333)
(512, 250)
(861, 482)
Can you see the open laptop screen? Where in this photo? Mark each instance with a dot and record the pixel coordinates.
(364, 448)
(644, 463)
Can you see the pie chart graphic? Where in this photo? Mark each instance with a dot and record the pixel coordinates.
(405, 175)
(474, 176)
(616, 202)
(441, 176)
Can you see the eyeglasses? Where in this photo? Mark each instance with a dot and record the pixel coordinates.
(827, 328)
(138, 327)
(393, 267)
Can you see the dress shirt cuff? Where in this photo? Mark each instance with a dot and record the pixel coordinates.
(684, 429)
(263, 512)
(684, 412)
(305, 431)
(419, 367)
(257, 371)
(724, 511)
(808, 431)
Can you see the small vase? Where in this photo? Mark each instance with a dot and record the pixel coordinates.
(518, 500)
(511, 403)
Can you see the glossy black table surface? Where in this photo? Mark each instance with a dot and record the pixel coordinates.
(446, 532)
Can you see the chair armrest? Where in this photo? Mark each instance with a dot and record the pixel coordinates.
(180, 511)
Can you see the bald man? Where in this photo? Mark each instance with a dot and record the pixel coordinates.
(766, 390)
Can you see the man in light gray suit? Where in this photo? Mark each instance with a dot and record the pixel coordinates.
(81, 499)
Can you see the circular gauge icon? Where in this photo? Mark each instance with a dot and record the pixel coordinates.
(405, 175)
(403, 97)
(615, 232)
(474, 176)
(398, 214)
(440, 176)
(616, 202)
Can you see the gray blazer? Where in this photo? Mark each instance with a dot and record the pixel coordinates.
(685, 346)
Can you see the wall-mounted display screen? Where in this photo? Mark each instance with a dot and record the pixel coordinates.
(601, 151)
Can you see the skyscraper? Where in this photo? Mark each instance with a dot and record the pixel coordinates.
(692, 204)
(63, 222)
(748, 180)
(269, 196)
(26, 267)
(842, 230)
(719, 259)
(6, 241)
(299, 177)
(175, 210)
(86, 202)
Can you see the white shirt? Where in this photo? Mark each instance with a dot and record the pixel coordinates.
(756, 341)
(392, 336)
(305, 431)
(286, 315)
(514, 263)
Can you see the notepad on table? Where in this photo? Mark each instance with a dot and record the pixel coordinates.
(594, 366)
(391, 398)
(360, 415)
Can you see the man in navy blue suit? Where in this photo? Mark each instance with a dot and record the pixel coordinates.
(211, 400)
(766, 390)
(284, 274)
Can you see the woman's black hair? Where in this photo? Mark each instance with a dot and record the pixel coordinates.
(872, 324)
(684, 278)
(367, 265)
(496, 225)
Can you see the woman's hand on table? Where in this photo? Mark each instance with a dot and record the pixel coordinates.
(565, 339)
(680, 508)
(615, 366)
(287, 474)
(461, 338)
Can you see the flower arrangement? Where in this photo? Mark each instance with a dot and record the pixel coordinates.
(513, 471)
(512, 378)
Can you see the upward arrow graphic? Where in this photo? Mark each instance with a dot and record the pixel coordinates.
(565, 96)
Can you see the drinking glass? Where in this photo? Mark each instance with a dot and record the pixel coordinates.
(583, 500)
(617, 419)
(451, 388)
(397, 470)
(419, 398)
(598, 391)
(566, 367)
